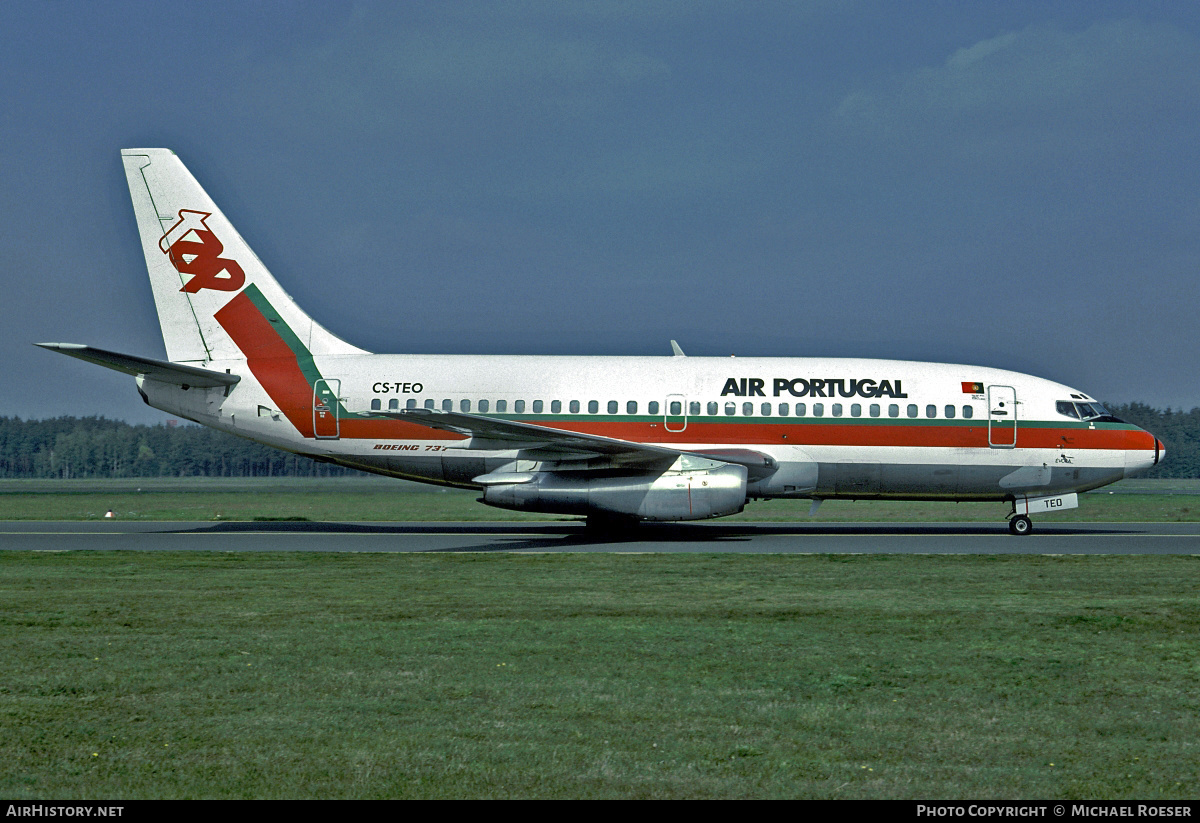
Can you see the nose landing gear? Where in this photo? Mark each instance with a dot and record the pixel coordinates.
(1023, 506)
(1020, 524)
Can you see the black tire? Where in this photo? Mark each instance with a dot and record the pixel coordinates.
(611, 523)
(1020, 525)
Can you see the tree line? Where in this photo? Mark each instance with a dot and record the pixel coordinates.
(1178, 430)
(81, 447)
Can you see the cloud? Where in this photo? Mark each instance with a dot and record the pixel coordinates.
(383, 68)
(521, 99)
(1042, 78)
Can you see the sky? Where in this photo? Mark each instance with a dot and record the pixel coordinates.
(1002, 184)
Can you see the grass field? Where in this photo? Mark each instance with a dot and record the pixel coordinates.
(383, 499)
(198, 675)
(245, 675)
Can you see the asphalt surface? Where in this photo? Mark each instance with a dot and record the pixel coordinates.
(572, 536)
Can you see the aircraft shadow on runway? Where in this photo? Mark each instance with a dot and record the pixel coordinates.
(530, 536)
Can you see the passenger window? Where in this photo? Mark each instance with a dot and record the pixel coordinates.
(447, 405)
(538, 405)
(518, 406)
(676, 408)
(593, 406)
(574, 407)
(653, 407)
(747, 410)
(556, 407)
(376, 405)
(429, 404)
(818, 409)
(694, 408)
(631, 407)
(464, 406)
(393, 404)
(801, 409)
(968, 411)
(950, 412)
(712, 408)
(931, 411)
(483, 406)
(874, 409)
(856, 410)
(411, 404)
(730, 409)
(912, 409)
(501, 406)
(783, 409)
(837, 409)
(893, 410)
(613, 407)
(766, 409)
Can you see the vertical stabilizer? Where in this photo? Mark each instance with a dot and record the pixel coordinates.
(198, 264)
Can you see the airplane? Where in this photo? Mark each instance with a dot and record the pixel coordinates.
(615, 439)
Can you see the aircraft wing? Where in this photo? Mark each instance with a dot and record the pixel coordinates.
(162, 370)
(531, 436)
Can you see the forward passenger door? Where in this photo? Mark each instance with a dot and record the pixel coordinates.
(1002, 417)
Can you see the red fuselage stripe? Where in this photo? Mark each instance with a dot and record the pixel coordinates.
(276, 368)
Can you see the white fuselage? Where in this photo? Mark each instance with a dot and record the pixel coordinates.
(853, 428)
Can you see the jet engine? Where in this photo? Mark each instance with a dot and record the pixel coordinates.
(676, 494)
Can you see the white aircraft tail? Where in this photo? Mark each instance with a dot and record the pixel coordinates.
(215, 298)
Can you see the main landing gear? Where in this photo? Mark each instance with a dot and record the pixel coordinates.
(605, 523)
(1020, 524)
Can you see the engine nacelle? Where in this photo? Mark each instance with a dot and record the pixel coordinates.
(677, 494)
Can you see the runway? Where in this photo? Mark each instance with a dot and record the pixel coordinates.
(571, 536)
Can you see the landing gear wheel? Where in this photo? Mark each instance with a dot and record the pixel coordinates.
(1020, 525)
(608, 523)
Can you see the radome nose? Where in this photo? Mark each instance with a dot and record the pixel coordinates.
(1137, 460)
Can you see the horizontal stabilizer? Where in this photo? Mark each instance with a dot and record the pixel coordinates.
(161, 370)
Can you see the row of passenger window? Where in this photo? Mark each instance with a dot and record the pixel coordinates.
(675, 408)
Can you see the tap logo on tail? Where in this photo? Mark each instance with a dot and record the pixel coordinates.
(200, 257)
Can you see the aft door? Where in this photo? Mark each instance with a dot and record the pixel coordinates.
(325, 409)
(1002, 417)
(675, 413)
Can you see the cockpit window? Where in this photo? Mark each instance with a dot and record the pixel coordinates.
(1066, 407)
(1092, 412)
